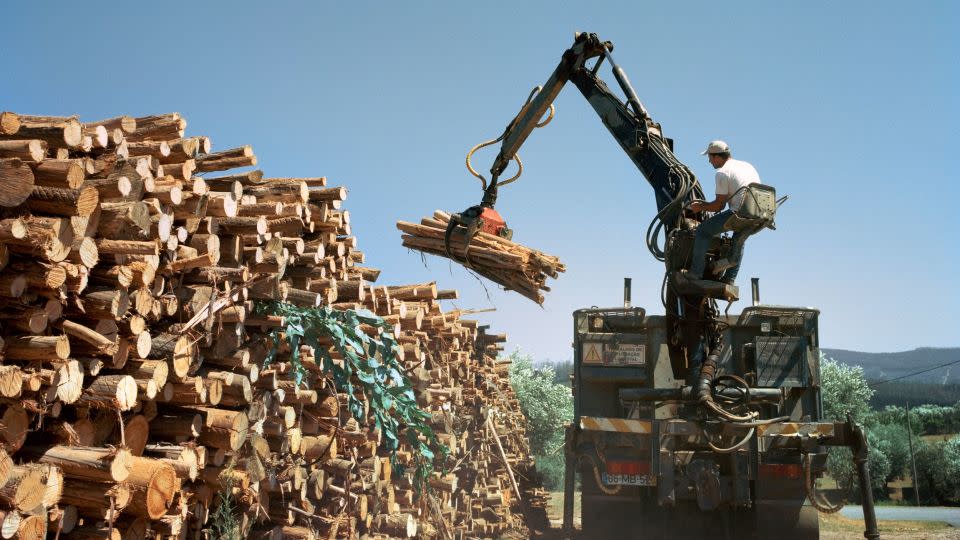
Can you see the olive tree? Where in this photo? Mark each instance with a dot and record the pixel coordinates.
(547, 405)
(845, 391)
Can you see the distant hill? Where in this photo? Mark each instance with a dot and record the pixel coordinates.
(884, 366)
(938, 387)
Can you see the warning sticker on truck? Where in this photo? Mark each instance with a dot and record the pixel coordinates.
(625, 354)
(592, 353)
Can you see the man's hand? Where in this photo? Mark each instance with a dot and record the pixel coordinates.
(715, 205)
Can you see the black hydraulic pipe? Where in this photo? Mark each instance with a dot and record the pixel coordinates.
(708, 370)
(686, 394)
(627, 88)
(569, 486)
(860, 453)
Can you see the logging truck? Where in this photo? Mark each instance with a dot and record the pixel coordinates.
(689, 424)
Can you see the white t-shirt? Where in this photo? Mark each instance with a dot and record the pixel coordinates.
(734, 175)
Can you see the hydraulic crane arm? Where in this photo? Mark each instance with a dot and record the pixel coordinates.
(640, 137)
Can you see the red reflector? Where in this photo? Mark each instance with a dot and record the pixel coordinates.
(789, 471)
(628, 467)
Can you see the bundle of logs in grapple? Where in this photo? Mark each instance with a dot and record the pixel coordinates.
(135, 401)
(512, 265)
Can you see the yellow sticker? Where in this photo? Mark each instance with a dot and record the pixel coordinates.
(591, 353)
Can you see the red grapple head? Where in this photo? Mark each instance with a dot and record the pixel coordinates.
(493, 223)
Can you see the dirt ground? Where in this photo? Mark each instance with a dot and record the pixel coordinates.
(832, 527)
(835, 527)
(946, 534)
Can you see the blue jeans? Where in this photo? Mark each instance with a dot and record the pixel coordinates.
(714, 226)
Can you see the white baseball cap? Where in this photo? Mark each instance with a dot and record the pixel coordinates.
(716, 147)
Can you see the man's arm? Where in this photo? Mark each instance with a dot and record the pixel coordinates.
(715, 205)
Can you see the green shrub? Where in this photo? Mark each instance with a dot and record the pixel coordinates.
(938, 471)
(548, 406)
(891, 440)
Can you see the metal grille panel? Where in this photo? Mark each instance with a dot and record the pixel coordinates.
(780, 361)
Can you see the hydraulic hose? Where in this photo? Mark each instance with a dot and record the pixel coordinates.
(708, 371)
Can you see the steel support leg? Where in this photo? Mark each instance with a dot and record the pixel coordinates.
(860, 453)
(569, 483)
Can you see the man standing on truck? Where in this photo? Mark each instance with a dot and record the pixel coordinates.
(733, 176)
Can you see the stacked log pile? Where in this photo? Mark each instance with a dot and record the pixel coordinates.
(135, 401)
(509, 264)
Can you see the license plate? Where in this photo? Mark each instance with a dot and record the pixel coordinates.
(628, 479)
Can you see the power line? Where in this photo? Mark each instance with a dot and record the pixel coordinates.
(914, 373)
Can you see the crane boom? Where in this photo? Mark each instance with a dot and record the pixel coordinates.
(637, 134)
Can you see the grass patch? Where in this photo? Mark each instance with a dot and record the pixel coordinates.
(839, 523)
(555, 506)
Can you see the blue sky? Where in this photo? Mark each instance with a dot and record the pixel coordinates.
(851, 108)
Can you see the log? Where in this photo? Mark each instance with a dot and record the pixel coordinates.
(96, 532)
(65, 383)
(178, 351)
(127, 247)
(96, 500)
(229, 159)
(11, 384)
(153, 484)
(158, 127)
(84, 251)
(14, 426)
(101, 343)
(12, 229)
(117, 392)
(99, 136)
(126, 124)
(32, 528)
(9, 123)
(16, 182)
(129, 219)
(105, 304)
(9, 523)
(87, 463)
(64, 201)
(38, 348)
(59, 173)
(136, 432)
(175, 427)
(223, 429)
(399, 525)
(191, 391)
(29, 150)
(58, 132)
